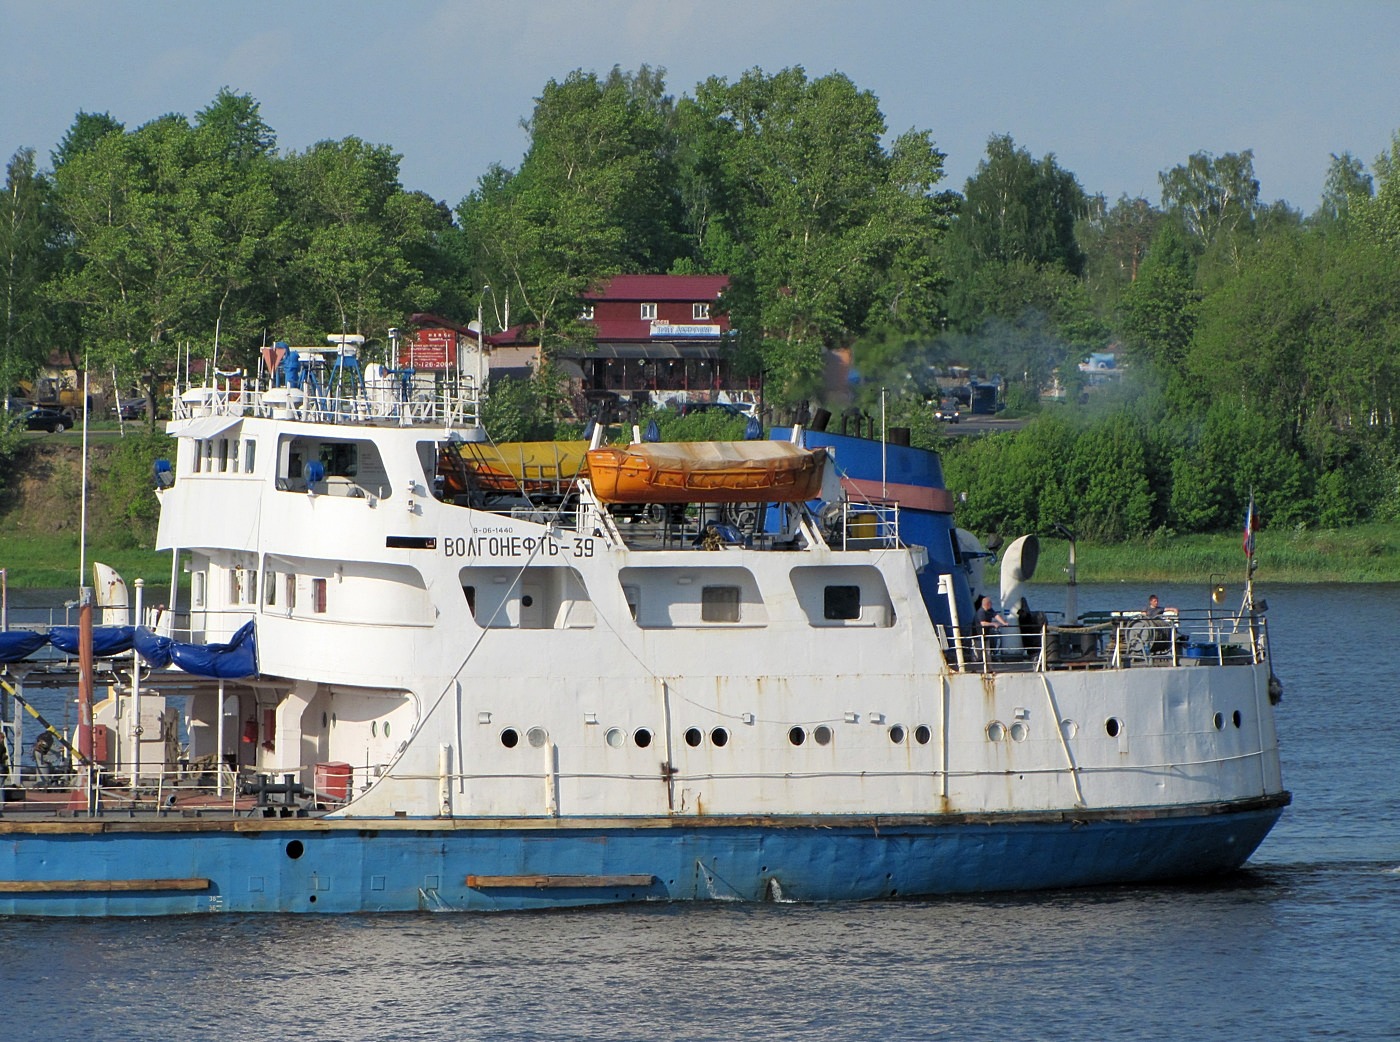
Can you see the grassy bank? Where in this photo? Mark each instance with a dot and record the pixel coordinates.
(50, 561)
(1365, 554)
(1368, 554)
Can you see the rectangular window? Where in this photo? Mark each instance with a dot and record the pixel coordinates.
(250, 453)
(291, 592)
(841, 602)
(649, 312)
(197, 590)
(223, 455)
(270, 588)
(719, 604)
(318, 594)
(700, 311)
(340, 459)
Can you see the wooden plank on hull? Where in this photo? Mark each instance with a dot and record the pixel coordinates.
(553, 882)
(97, 886)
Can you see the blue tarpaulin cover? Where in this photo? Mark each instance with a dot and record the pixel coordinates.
(237, 658)
(106, 640)
(152, 647)
(20, 644)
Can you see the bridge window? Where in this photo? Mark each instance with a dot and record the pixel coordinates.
(841, 602)
(719, 604)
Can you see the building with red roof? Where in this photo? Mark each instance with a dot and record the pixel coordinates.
(658, 338)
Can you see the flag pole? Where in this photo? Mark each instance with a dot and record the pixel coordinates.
(1251, 525)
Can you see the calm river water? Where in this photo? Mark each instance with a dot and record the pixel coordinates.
(1301, 945)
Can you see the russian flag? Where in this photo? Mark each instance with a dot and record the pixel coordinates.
(1251, 525)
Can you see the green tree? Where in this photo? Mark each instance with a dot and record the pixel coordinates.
(1115, 241)
(825, 232)
(29, 254)
(1347, 182)
(1379, 217)
(166, 225)
(1216, 199)
(87, 130)
(140, 239)
(234, 154)
(1108, 478)
(594, 195)
(1157, 313)
(353, 232)
(1231, 454)
(1017, 209)
(1014, 483)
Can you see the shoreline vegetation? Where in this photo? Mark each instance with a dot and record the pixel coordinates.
(1365, 554)
(39, 533)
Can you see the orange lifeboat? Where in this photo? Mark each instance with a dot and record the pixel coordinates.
(707, 472)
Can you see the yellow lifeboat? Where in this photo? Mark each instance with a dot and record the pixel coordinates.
(517, 466)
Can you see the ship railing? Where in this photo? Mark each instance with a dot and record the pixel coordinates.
(413, 399)
(202, 787)
(869, 525)
(1116, 640)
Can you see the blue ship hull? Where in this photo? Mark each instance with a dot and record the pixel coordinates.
(129, 868)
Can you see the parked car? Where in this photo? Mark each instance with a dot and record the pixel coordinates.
(948, 411)
(133, 409)
(45, 418)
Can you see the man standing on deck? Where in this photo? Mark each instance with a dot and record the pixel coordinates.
(988, 621)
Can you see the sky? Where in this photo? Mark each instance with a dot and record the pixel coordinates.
(1117, 90)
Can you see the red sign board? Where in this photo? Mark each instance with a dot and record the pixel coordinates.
(429, 349)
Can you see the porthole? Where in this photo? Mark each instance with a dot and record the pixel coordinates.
(922, 734)
(527, 601)
(1069, 728)
(537, 736)
(1236, 718)
(510, 738)
(719, 737)
(897, 734)
(295, 849)
(1219, 721)
(614, 738)
(693, 737)
(1019, 731)
(642, 737)
(796, 735)
(821, 734)
(1113, 726)
(386, 728)
(374, 728)
(324, 721)
(996, 731)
